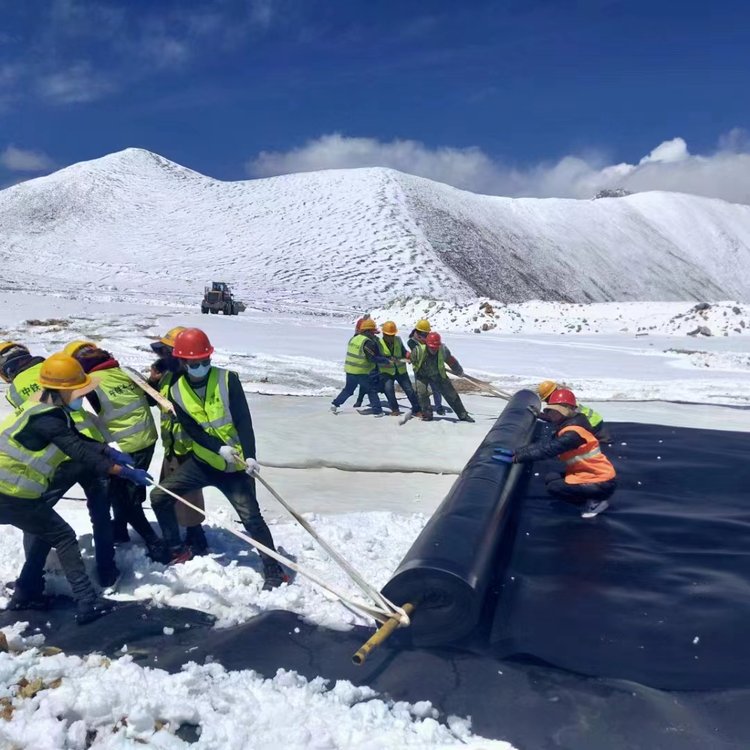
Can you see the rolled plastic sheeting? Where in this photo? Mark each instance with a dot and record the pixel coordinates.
(450, 566)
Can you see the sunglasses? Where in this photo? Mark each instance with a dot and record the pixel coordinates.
(194, 364)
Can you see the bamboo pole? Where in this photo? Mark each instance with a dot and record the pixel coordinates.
(379, 637)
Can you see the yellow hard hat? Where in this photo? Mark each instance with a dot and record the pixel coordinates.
(9, 352)
(74, 347)
(61, 372)
(546, 388)
(168, 338)
(423, 326)
(389, 328)
(368, 325)
(7, 345)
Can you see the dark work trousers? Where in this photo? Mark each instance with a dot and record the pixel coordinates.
(364, 390)
(444, 386)
(127, 501)
(363, 381)
(237, 487)
(96, 489)
(40, 520)
(578, 493)
(389, 386)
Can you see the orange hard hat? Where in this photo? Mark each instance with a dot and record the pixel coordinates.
(389, 328)
(61, 372)
(368, 325)
(192, 343)
(564, 397)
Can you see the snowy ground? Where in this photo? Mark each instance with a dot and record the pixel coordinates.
(367, 485)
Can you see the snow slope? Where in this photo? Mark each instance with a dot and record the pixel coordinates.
(137, 225)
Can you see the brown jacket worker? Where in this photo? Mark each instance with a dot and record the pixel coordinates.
(176, 442)
(589, 477)
(429, 361)
(34, 440)
(124, 411)
(21, 370)
(211, 406)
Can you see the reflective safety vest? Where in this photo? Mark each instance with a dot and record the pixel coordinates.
(356, 362)
(124, 411)
(211, 413)
(173, 435)
(26, 384)
(586, 464)
(419, 355)
(25, 473)
(595, 419)
(398, 352)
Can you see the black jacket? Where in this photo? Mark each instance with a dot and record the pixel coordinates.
(239, 410)
(57, 427)
(555, 445)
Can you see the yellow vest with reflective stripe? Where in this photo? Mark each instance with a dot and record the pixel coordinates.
(211, 413)
(593, 416)
(173, 436)
(25, 473)
(419, 355)
(398, 352)
(124, 411)
(26, 384)
(356, 362)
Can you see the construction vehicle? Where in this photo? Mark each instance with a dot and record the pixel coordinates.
(218, 298)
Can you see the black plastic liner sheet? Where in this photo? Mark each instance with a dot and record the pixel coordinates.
(451, 565)
(656, 589)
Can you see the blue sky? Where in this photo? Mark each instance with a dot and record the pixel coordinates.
(520, 85)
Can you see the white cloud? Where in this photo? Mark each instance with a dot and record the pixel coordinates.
(76, 84)
(23, 160)
(724, 173)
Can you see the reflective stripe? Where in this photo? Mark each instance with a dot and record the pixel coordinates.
(24, 482)
(583, 456)
(109, 413)
(14, 396)
(128, 431)
(41, 464)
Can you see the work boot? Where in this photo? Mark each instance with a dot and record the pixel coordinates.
(358, 403)
(440, 410)
(594, 508)
(23, 600)
(195, 538)
(466, 418)
(180, 555)
(334, 409)
(158, 552)
(273, 575)
(395, 414)
(88, 610)
(427, 416)
(108, 577)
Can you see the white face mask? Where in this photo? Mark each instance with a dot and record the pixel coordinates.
(197, 373)
(76, 404)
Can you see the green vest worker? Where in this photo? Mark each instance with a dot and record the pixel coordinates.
(429, 361)
(547, 387)
(176, 441)
(34, 440)
(210, 404)
(392, 347)
(124, 411)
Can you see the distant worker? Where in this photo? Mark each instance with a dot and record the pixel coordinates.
(211, 407)
(589, 477)
(34, 441)
(546, 388)
(418, 336)
(176, 441)
(124, 411)
(21, 369)
(362, 360)
(429, 361)
(392, 347)
(364, 390)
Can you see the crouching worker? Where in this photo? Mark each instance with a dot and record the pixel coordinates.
(211, 407)
(546, 388)
(589, 477)
(34, 441)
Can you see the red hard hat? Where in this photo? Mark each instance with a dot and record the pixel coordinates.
(433, 340)
(563, 396)
(192, 343)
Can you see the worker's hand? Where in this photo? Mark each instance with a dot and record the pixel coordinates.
(253, 467)
(407, 357)
(231, 456)
(118, 456)
(136, 476)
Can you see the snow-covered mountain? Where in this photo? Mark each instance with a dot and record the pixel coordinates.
(138, 225)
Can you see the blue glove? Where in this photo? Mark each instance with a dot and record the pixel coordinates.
(118, 456)
(503, 458)
(504, 451)
(136, 476)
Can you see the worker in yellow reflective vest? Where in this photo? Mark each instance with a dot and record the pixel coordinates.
(392, 347)
(210, 405)
(35, 440)
(125, 415)
(21, 369)
(361, 364)
(176, 441)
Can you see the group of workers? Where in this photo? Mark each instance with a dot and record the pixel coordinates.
(51, 441)
(80, 418)
(377, 364)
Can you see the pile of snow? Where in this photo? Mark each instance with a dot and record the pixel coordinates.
(136, 226)
(639, 318)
